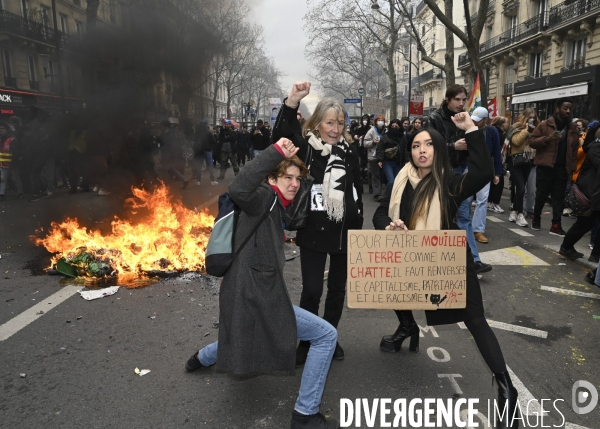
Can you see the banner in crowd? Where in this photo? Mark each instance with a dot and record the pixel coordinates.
(493, 108)
(274, 106)
(416, 104)
(475, 98)
(418, 270)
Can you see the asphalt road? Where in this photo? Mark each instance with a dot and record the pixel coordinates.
(79, 356)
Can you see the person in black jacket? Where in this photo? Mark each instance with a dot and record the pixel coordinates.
(228, 145)
(204, 143)
(358, 135)
(335, 167)
(391, 152)
(261, 137)
(588, 183)
(441, 121)
(426, 196)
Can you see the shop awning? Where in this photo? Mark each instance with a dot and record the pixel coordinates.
(574, 90)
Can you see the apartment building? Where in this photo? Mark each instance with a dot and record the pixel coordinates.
(537, 51)
(429, 80)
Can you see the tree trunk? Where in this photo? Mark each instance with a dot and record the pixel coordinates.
(478, 68)
(393, 84)
(449, 56)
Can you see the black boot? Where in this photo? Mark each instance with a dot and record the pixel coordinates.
(302, 352)
(407, 328)
(507, 403)
(314, 421)
(591, 277)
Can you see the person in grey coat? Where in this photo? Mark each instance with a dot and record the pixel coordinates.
(258, 324)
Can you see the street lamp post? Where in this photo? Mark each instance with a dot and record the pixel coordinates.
(361, 92)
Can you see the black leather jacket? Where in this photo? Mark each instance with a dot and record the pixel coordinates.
(440, 120)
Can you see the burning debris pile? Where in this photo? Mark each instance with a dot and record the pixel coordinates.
(169, 238)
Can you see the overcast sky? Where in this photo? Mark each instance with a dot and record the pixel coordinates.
(285, 40)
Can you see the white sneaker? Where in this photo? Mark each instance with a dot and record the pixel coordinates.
(214, 182)
(490, 207)
(521, 221)
(498, 209)
(103, 192)
(96, 188)
(591, 246)
(566, 211)
(512, 217)
(474, 203)
(198, 182)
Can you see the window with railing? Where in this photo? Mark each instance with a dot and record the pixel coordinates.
(26, 11)
(63, 23)
(430, 101)
(535, 64)
(575, 57)
(45, 15)
(1, 4)
(79, 28)
(406, 69)
(32, 69)
(6, 65)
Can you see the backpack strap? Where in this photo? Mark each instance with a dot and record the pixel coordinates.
(247, 239)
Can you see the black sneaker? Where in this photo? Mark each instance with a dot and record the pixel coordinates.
(535, 224)
(594, 258)
(557, 230)
(591, 277)
(193, 363)
(313, 421)
(338, 353)
(37, 197)
(481, 268)
(572, 254)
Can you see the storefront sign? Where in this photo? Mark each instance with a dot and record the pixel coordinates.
(394, 270)
(5, 98)
(7, 111)
(551, 93)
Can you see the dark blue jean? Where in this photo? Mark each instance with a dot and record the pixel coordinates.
(391, 170)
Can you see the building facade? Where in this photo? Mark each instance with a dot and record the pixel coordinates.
(537, 51)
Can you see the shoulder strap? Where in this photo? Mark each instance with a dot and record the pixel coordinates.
(308, 158)
(262, 219)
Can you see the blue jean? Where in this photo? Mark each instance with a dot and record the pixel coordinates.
(197, 162)
(463, 220)
(391, 170)
(479, 216)
(323, 339)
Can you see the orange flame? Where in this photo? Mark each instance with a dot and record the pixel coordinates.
(170, 238)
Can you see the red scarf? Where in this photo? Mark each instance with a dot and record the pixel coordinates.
(283, 200)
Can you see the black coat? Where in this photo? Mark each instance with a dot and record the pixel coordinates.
(228, 136)
(388, 142)
(461, 186)
(204, 141)
(322, 234)
(440, 120)
(260, 142)
(589, 177)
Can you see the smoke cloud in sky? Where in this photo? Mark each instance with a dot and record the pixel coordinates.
(285, 39)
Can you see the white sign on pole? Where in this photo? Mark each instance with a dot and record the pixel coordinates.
(274, 107)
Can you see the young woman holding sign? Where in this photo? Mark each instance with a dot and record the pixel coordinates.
(426, 196)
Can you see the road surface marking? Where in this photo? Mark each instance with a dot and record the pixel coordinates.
(209, 203)
(462, 325)
(453, 382)
(529, 405)
(17, 323)
(518, 329)
(494, 219)
(571, 292)
(521, 232)
(511, 256)
(574, 426)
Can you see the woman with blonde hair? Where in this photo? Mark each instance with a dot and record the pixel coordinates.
(335, 167)
(521, 161)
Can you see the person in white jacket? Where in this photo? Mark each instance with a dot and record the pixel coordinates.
(371, 140)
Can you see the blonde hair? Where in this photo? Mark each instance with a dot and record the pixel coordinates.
(524, 116)
(325, 106)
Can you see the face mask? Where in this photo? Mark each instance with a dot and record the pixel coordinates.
(365, 122)
(380, 124)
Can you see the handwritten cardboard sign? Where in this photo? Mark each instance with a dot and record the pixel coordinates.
(418, 270)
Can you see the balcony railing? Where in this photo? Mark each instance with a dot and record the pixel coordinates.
(571, 11)
(508, 88)
(10, 81)
(420, 7)
(430, 75)
(34, 85)
(463, 59)
(491, 7)
(510, 6)
(31, 29)
(474, 18)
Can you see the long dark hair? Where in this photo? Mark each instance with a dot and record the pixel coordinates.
(436, 180)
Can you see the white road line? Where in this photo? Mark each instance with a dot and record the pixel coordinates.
(529, 405)
(511, 256)
(494, 219)
(521, 232)
(209, 203)
(574, 426)
(17, 323)
(571, 292)
(462, 325)
(518, 329)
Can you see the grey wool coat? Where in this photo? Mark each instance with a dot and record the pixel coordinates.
(257, 324)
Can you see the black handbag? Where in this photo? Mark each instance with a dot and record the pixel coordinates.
(578, 202)
(521, 159)
(296, 215)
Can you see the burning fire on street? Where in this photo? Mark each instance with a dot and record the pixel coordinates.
(168, 238)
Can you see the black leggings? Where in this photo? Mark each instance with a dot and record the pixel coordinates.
(486, 341)
(518, 181)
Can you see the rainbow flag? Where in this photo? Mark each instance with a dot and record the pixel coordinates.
(475, 98)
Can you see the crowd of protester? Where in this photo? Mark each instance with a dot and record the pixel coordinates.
(82, 152)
